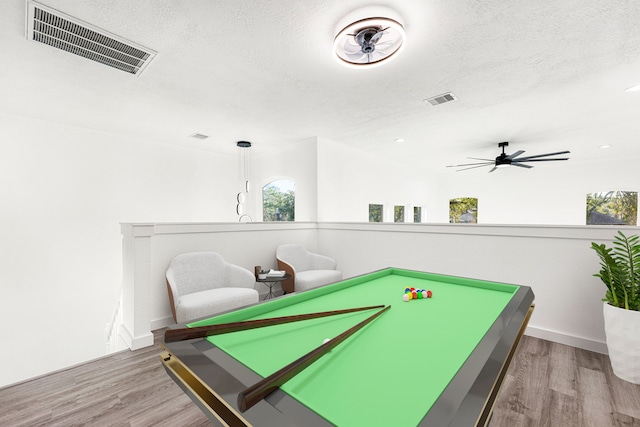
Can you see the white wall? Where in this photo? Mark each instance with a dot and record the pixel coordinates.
(63, 193)
(550, 193)
(297, 162)
(349, 180)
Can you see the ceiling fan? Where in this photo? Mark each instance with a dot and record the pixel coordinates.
(369, 41)
(506, 160)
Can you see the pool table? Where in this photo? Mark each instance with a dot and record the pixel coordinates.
(435, 361)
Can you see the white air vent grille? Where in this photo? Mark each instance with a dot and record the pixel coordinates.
(441, 99)
(64, 32)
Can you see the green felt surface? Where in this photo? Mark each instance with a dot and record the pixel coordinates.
(394, 369)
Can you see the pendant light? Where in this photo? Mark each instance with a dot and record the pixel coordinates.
(242, 198)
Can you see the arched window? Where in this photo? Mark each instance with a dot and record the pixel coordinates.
(463, 209)
(279, 201)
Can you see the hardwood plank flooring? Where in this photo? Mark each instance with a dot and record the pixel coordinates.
(548, 385)
(554, 385)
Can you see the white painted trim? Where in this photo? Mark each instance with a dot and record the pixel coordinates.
(148, 230)
(591, 232)
(161, 323)
(135, 343)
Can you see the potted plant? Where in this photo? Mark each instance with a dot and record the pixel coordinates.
(620, 272)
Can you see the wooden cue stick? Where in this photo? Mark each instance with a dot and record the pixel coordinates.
(261, 389)
(173, 335)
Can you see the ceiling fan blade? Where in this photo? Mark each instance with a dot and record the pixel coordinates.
(543, 155)
(477, 158)
(384, 43)
(538, 160)
(473, 167)
(377, 36)
(514, 155)
(494, 168)
(355, 56)
(520, 165)
(350, 45)
(471, 164)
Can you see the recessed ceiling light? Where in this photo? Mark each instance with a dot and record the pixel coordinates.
(398, 140)
(605, 146)
(369, 42)
(635, 88)
(199, 136)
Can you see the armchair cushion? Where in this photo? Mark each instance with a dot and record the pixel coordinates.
(310, 279)
(205, 303)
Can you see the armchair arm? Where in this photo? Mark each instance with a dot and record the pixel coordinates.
(238, 277)
(321, 262)
(288, 285)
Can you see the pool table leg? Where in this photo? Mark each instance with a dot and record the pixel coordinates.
(485, 415)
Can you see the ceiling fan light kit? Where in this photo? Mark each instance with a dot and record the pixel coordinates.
(505, 160)
(369, 42)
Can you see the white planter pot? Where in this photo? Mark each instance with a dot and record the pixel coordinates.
(622, 328)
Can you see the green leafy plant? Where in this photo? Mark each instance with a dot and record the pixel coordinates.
(620, 271)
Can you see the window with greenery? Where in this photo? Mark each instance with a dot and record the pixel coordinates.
(398, 213)
(612, 208)
(375, 213)
(417, 214)
(279, 201)
(463, 210)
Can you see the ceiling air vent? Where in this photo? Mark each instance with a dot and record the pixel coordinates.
(441, 99)
(48, 26)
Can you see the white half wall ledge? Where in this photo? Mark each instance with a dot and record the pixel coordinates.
(582, 232)
(557, 262)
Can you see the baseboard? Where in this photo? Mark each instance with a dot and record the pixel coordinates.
(161, 323)
(559, 337)
(135, 343)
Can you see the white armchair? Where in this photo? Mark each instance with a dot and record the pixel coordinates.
(307, 270)
(203, 283)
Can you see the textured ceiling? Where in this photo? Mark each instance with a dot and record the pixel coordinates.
(544, 75)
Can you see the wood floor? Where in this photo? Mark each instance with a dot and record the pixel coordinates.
(548, 385)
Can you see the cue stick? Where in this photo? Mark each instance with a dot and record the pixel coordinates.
(182, 334)
(261, 389)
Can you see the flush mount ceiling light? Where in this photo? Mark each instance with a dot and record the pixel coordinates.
(369, 42)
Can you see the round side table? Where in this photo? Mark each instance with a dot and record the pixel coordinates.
(271, 282)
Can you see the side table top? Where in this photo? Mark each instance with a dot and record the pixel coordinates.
(274, 278)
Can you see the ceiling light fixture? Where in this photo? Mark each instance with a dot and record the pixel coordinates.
(369, 42)
(635, 88)
(199, 136)
(243, 199)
